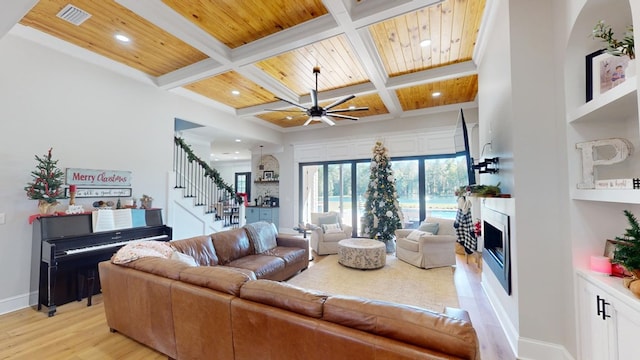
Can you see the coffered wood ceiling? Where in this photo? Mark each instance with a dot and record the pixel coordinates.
(268, 48)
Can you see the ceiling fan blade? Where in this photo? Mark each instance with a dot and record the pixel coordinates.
(314, 98)
(307, 122)
(292, 103)
(293, 111)
(327, 120)
(340, 102)
(346, 110)
(344, 116)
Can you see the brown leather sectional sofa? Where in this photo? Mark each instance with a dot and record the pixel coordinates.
(223, 312)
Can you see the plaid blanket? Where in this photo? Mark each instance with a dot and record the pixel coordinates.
(465, 231)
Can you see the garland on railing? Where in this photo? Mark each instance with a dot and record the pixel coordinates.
(208, 171)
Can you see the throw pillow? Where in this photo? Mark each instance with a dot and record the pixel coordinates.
(187, 259)
(416, 234)
(329, 219)
(430, 227)
(331, 228)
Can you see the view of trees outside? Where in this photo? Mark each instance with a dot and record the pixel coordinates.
(442, 177)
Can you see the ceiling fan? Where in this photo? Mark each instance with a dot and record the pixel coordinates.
(318, 113)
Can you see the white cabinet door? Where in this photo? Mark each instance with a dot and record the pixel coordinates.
(609, 319)
(594, 329)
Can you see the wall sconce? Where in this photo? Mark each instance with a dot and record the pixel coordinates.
(487, 166)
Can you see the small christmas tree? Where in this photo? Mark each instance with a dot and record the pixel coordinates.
(627, 253)
(381, 210)
(47, 181)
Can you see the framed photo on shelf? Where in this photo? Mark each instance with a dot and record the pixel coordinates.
(604, 72)
(267, 175)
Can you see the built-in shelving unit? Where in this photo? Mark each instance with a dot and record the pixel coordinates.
(606, 311)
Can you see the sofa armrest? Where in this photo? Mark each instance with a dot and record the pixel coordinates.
(457, 313)
(347, 229)
(436, 239)
(292, 241)
(403, 233)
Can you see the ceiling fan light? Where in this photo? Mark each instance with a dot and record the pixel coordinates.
(316, 118)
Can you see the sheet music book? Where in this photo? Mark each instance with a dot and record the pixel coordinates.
(139, 217)
(107, 219)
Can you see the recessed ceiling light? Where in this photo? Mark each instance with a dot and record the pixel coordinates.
(212, 154)
(235, 158)
(436, 94)
(237, 152)
(352, 107)
(425, 43)
(238, 140)
(289, 117)
(216, 159)
(122, 38)
(235, 92)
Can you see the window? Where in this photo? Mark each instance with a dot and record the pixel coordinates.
(425, 185)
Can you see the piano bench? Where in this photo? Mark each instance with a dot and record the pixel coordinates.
(86, 279)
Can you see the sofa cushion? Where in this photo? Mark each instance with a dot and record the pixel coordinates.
(134, 251)
(329, 218)
(288, 254)
(231, 245)
(220, 278)
(409, 324)
(285, 296)
(198, 247)
(261, 265)
(262, 235)
(158, 266)
(429, 227)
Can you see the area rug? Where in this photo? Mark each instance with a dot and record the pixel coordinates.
(397, 281)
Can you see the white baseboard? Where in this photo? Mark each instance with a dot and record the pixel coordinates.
(531, 349)
(524, 348)
(17, 302)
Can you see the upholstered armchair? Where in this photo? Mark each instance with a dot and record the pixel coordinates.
(328, 229)
(420, 248)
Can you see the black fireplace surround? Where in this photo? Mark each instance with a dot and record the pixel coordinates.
(496, 253)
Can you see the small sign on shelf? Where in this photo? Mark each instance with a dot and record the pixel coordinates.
(619, 184)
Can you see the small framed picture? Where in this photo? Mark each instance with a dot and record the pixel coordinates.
(610, 248)
(267, 175)
(604, 72)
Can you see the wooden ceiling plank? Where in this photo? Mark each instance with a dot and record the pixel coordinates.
(445, 35)
(151, 50)
(424, 33)
(435, 20)
(459, 16)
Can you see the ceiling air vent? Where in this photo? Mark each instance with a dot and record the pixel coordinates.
(74, 15)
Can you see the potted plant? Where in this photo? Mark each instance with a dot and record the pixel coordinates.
(47, 183)
(615, 47)
(628, 254)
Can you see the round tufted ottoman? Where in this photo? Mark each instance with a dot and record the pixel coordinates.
(362, 253)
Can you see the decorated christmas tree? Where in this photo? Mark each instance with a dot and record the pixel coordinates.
(47, 180)
(382, 211)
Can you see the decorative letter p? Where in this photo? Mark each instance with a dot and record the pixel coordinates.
(622, 148)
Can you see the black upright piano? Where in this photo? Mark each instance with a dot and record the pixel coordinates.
(69, 246)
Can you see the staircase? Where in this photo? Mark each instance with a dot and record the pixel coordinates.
(200, 202)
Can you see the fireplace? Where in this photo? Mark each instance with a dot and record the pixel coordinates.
(496, 253)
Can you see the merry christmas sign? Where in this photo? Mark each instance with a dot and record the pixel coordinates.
(90, 177)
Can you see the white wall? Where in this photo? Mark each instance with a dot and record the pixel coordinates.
(93, 119)
(521, 115)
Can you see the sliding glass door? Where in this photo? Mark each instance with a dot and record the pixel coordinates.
(425, 187)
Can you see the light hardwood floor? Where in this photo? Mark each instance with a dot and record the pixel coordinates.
(78, 332)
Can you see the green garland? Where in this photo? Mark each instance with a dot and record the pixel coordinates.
(208, 171)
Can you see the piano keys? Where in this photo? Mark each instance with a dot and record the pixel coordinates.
(70, 247)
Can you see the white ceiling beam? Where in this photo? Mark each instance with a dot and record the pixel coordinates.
(373, 11)
(156, 12)
(432, 75)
